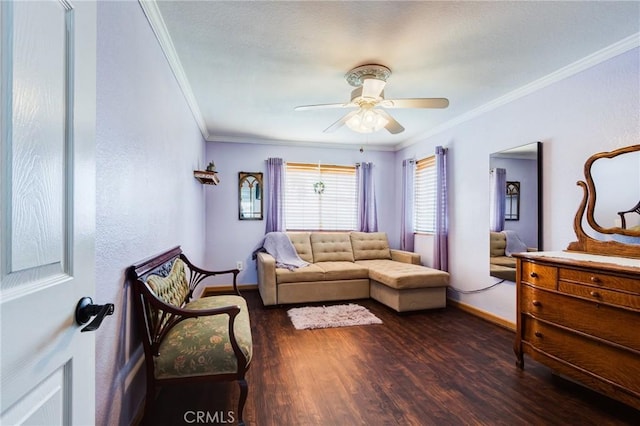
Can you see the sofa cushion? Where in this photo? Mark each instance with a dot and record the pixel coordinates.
(331, 247)
(307, 273)
(502, 272)
(370, 245)
(400, 275)
(503, 261)
(201, 346)
(173, 288)
(342, 271)
(497, 243)
(302, 243)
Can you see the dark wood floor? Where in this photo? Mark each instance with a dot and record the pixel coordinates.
(439, 367)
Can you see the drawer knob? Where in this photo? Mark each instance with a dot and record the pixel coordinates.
(538, 334)
(533, 275)
(595, 279)
(594, 293)
(536, 303)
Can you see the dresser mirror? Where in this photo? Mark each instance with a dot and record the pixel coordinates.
(615, 178)
(515, 205)
(250, 196)
(610, 203)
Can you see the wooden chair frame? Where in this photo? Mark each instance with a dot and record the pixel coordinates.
(156, 318)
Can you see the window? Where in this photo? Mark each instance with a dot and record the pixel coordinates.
(424, 196)
(320, 197)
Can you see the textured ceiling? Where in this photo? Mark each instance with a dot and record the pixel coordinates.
(246, 65)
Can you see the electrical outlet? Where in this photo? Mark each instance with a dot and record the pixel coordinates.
(239, 265)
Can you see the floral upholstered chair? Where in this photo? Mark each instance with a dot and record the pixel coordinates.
(206, 339)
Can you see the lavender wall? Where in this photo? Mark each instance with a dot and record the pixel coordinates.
(147, 145)
(592, 111)
(229, 239)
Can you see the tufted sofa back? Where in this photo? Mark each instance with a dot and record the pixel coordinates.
(340, 246)
(370, 245)
(302, 243)
(331, 247)
(497, 243)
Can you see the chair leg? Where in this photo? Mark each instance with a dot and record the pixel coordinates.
(244, 390)
(149, 403)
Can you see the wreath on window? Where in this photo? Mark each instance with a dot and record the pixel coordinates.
(318, 187)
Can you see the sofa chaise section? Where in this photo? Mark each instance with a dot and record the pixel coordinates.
(396, 278)
(405, 286)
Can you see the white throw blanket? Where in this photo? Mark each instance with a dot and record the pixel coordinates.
(278, 245)
(514, 243)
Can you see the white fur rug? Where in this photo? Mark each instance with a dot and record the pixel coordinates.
(331, 316)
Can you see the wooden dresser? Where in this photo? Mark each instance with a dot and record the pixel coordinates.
(579, 314)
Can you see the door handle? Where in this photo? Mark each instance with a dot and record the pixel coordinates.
(85, 309)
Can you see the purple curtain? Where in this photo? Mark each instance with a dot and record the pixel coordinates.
(497, 199)
(441, 240)
(406, 218)
(275, 195)
(367, 214)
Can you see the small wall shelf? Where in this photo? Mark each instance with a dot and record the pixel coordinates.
(206, 178)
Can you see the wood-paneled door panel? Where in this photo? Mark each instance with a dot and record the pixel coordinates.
(47, 222)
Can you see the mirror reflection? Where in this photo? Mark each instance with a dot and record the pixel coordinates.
(617, 183)
(250, 195)
(512, 201)
(515, 207)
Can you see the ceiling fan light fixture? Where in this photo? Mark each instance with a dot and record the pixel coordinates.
(367, 120)
(369, 82)
(372, 88)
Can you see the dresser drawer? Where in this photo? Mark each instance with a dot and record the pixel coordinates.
(599, 294)
(539, 275)
(606, 322)
(618, 365)
(599, 279)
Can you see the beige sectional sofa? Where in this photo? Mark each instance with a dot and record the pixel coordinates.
(351, 265)
(500, 265)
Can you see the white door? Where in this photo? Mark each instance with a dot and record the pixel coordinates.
(47, 214)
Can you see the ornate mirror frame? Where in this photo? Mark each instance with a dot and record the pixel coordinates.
(250, 199)
(586, 243)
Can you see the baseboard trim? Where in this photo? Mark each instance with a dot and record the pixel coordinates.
(487, 316)
(219, 289)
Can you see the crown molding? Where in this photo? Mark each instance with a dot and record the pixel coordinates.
(580, 65)
(298, 143)
(151, 11)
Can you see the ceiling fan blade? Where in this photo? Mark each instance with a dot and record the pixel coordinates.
(392, 126)
(416, 103)
(323, 106)
(372, 87)
(335, 126)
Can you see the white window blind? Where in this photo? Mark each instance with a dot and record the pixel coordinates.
(320, 197)
(424, 198)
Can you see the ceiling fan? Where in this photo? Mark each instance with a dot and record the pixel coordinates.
(368, 97)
